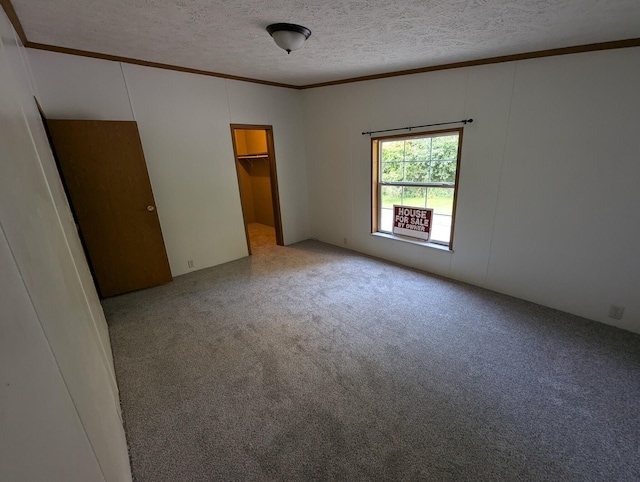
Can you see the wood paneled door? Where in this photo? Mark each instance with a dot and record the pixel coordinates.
(105, 175)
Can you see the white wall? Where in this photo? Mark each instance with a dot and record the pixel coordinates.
(545, 209)
(59, 407)
(184, 123)
(548, 196)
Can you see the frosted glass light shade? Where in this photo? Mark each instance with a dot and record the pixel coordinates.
(288, 36)
(289, 40)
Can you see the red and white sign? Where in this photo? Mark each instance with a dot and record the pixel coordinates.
(414, 222)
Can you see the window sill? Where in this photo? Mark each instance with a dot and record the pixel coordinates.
(406, 239)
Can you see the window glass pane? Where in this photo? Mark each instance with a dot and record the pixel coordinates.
(386, 220)
(414, 196)
(392, 171)
(417, 149)
(392, 151)
(443, 171)
(445, 147)
(391, 195)
(416, 171)
(403, 196)
(440, 228)
(440, 199)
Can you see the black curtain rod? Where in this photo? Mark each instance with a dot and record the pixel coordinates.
(465, 121)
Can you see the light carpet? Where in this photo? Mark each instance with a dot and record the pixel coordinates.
(311, 362)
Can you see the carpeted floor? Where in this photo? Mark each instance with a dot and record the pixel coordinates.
(311, 362)
(261, 237)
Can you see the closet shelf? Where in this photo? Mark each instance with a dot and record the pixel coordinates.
(254, 156)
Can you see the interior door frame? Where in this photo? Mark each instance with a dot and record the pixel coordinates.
(273, 178)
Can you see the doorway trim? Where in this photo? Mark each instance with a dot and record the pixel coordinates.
(273, 178)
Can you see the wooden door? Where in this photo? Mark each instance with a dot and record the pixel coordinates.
(106, 178)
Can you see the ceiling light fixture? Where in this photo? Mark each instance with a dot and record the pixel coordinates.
(288, 36)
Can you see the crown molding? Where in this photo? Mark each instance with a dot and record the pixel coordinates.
(15, 21)
(616, 44)
(145, 63)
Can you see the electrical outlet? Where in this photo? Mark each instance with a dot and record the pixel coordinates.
(190, 263)
(616, 312)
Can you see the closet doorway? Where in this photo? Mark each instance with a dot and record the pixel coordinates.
(257, 179)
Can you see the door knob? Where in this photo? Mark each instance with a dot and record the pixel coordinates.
(151, 208)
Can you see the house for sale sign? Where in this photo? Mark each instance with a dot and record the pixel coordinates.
(414, 222)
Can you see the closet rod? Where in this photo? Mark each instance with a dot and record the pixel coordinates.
(464, 121)
(253, 156)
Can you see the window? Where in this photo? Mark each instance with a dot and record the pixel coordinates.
(419, 170)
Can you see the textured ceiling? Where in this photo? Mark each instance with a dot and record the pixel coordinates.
(350, 38)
